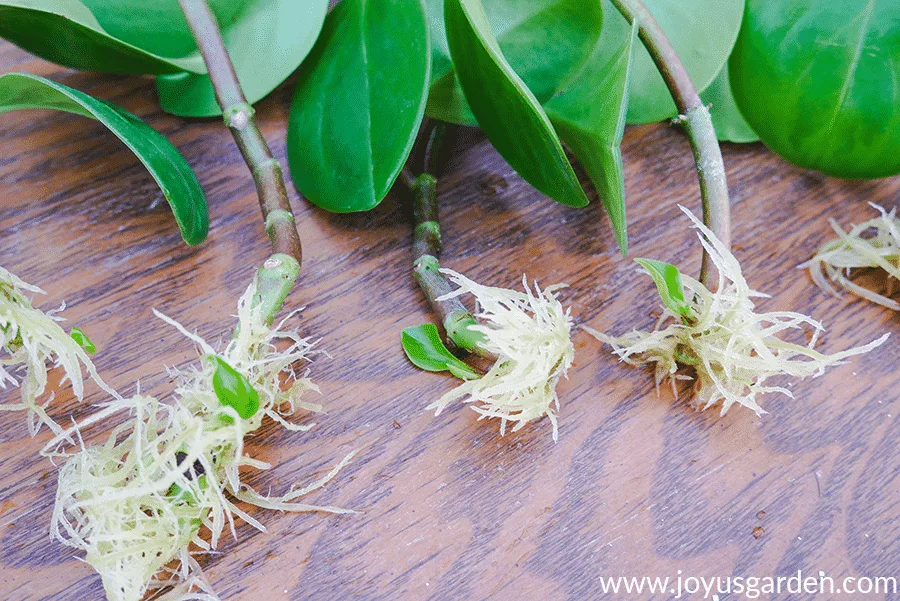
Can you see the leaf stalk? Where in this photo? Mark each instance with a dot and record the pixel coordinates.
(281, 270)
(697, 122)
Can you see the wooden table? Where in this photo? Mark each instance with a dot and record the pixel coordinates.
(638, 485)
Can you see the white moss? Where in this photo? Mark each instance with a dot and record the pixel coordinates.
(873, 244)
(167, 479)
(733, 349)
(31, 344)
(530, 333)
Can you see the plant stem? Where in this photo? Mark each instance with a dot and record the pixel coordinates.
(278, 274)
(453, 315)
(697, 125)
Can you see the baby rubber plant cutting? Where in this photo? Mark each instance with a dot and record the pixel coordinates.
(514, 78)
(165, 483)
(710, 325)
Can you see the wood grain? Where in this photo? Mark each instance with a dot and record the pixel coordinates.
(638, 485)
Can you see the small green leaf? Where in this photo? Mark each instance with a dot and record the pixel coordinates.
(83, 341)
(356, 110)
(702, 32)
(545, 42)
(173, 174)
(668, 282)
(820, 83)
(233, 389)
(590, 118)
(509, 114)
(68, 33)
(426, 350)
(727, 118)
(266, 39)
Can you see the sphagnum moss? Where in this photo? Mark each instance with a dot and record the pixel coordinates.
(530, 333)
(873, 244)
(31, 343)
(166, 481)
(733, 350)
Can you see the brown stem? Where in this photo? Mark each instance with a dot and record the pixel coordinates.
(697, 122)
(279, 272)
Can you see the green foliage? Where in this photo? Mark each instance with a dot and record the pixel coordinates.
(510, 115)
(702, 32)
(590, 118)
(359, 101)
(727, 118)
(83, 341)
(233, 390)
(668, 282)
(266, 39)
(173, 174)
(817, 80)
(425, 349)
(546, 42)
(68, 33)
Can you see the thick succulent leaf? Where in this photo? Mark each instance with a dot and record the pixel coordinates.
(68, 33)
(727, 118)
(590, 119)
(267, 40)
(668, 283)
(818, 81)
(356, 111)
(546, 42)
(702, 32)
(509, 114)
(424, 348)
(163, 161)
(233, 389)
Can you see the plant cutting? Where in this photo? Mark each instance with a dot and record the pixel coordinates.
(165, 483)
(871, 245)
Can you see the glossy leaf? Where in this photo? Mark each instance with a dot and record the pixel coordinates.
(546, 42)
(359, 102)
(267, 40)
(233, 389)
(702, 32)
(668, 283)
(67, 32)
(509, 114)
(163, 161)
(590, 118)
(727, 118)
(424, 348)
(83, 341)
(818, 81)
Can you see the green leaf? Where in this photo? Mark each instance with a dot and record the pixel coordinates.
(83, 341)
(173, 174)
(546, 42)
(702, 32)
(424, 348)
(359, 102)
(67, 32)
(233, 389)
(509, 114)
(818, 81)
(668, 282)
(266, 39)
(727, 118)
(590, 118)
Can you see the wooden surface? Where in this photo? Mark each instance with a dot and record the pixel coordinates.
(638, 485)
